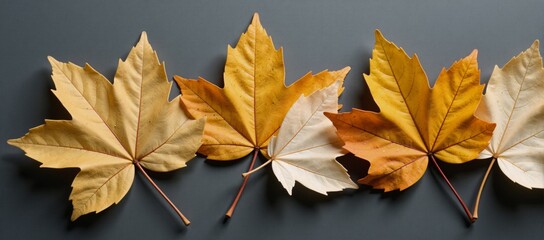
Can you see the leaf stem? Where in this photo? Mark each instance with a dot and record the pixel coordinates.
(235, 202)
(469, 215)
(257, 169)
(183, 218)
(484, 180)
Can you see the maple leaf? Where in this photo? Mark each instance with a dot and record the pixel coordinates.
(306, 146)
(415, 123)
(515, 102)
(248, 111)
(114, 128)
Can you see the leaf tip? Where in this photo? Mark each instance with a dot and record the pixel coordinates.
(143, 39)
(535, 44)
(52, 60)
(289, 190)
(143, 35)
(11, 141)
(473, 54)
(75, 215)
(378, 33)
(354, 185)
(329, 115)
(256, 19)
(178, 79)
(344, 71)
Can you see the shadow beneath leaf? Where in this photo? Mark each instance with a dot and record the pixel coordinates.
(160, 202)
(95, 220)
(217, 68)
(55, 109)
(310, 199)
(52, 182)
(243, 160)
(40, 178)
(511, 194)
(462, 176)
(357, 167)
(465, 169)
(241, 163)
(363, 97)
(506, 192)
(367, 101)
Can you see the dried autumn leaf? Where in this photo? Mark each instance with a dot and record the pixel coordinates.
(306, 146)
(114, 127)
(415, 123)
(248, 111)
(250, 108)
(515, 102)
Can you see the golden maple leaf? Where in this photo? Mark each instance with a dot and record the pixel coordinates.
(249, 110)
(114, 128)
(415, 123)
(243, 116)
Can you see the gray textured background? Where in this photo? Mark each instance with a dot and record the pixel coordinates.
(191, 37)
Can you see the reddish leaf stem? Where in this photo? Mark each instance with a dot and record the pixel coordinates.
(235, 202)
(469, 215)
(475, 211)
(183, 218)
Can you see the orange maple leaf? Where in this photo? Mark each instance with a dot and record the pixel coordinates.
(415, 123)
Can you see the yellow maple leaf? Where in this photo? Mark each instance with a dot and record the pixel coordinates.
(415, 123)
(114, 128)
(249, 110)
(244, 115)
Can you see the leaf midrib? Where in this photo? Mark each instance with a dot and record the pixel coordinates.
(401, 93)
(449, 107)
(514, 107)
(135, 154)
